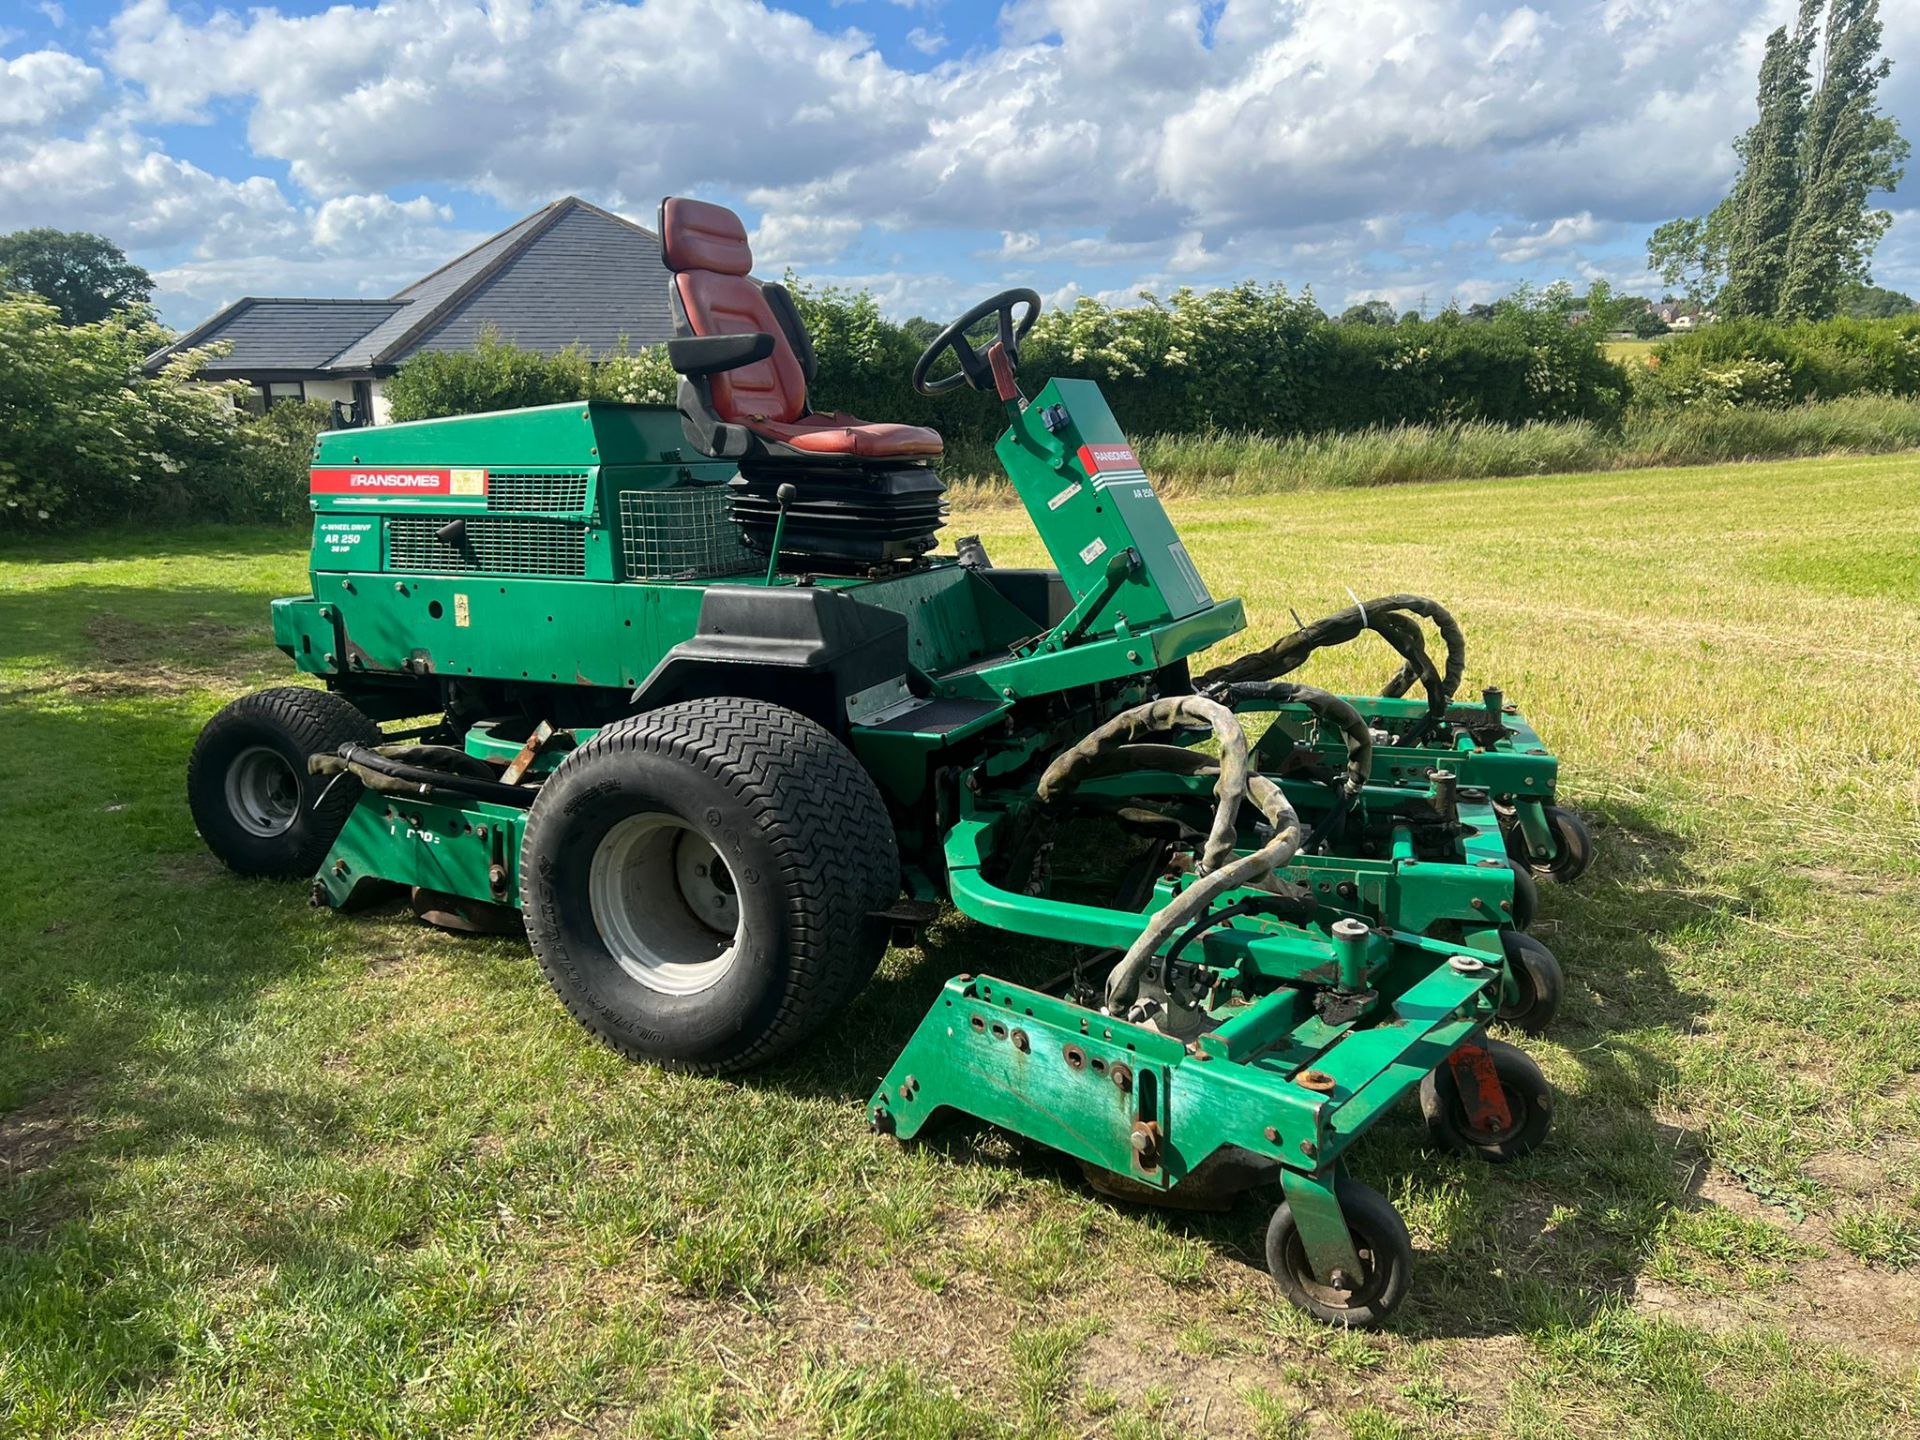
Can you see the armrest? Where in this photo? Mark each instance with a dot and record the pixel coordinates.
(711, 354)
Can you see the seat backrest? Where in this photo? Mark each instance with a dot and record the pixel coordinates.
(705, 247)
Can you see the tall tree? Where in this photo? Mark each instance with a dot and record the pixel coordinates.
(1849, 151)
(1761, 209)
(87, 276)
(1796, 227)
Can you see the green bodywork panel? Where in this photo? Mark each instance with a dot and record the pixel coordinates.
(1078, 476)
(459, 846)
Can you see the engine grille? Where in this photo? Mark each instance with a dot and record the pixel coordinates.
(684, 534)
(495, 544)
(531, 490)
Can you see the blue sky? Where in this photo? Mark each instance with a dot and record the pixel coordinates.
(1425, 151)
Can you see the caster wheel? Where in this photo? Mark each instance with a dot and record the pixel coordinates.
(1572, 847)
(1526, 896)
(1542, 984)
(1386, 1259)
(1529, 1108)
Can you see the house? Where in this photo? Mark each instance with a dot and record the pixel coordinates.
(571, 273)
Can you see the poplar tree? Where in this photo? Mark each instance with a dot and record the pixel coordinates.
(1765, 199)
(1848, 151)
(1797, 231)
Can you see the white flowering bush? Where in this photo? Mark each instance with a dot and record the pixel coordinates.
(85, 437)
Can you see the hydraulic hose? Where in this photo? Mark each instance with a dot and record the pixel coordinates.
(1384, 616)
(1220, 869)
(386, 775)
(1332, 710)
(1329, 707)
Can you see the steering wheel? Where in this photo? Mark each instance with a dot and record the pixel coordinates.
(974, 369)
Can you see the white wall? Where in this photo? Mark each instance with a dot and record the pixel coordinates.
(341, 390)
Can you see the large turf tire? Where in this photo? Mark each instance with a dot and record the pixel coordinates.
(809, 855)
(266, 738)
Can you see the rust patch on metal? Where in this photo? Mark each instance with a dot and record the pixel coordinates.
(517, 767)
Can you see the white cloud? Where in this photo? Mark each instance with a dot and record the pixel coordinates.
(1524, 247)
(927, 42)
(784, 239)
(374, 221)
(44, 87)
(1175, 140)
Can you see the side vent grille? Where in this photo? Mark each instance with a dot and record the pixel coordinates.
(683, 534)
(536, 490)
(496, 545)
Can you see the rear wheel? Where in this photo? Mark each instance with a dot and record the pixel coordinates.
(699, 882)
(247, 783)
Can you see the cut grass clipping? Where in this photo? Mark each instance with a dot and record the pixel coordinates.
(268, 1171)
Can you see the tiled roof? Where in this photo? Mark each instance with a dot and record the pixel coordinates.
(281, 334)
(571, 273)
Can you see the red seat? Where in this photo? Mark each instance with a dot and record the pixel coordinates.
(705, 246)
(839, 434)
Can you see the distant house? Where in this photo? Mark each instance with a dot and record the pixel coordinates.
(571, 273)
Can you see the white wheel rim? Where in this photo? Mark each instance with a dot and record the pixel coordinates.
(263, 793)
(665, 904)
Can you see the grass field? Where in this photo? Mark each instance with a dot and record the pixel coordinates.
(269, 1171)
(1628, 351)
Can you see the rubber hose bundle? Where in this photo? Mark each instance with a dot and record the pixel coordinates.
(1386, 617)
(1110, 748)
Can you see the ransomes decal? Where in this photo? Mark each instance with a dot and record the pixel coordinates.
(1098, 458)
(425, 481)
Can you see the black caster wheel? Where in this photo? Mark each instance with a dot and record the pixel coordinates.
(1386, 1259)
(1526, 895)
(1529, 1099)
(1542, 984)
(1572, 847)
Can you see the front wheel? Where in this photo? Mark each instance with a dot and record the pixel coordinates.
(252, 799)
(1379, 1238)
(699, 882)
(1572, 846)
(1539, 984)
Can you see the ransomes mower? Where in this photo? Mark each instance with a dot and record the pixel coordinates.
(688, 694)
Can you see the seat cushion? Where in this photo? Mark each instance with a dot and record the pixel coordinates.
(838, 434)
(771, 389)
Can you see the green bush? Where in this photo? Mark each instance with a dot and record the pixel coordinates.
(85, 437)
(1252, 357)
(1761, 363)
(498, 375)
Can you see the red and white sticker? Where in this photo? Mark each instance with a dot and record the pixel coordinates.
(1097, 458)
(429, 481)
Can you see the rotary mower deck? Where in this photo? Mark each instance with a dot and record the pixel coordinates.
(688, 695)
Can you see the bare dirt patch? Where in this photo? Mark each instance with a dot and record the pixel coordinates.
(1832, 1298)
(34, 1135)
(137, 658)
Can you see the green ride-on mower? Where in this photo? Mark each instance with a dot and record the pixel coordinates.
(690, 697)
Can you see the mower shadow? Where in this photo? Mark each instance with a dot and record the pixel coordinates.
(1551, 1239)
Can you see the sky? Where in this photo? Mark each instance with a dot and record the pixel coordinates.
(932, 151)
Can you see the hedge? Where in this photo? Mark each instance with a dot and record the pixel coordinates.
(86, 438)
